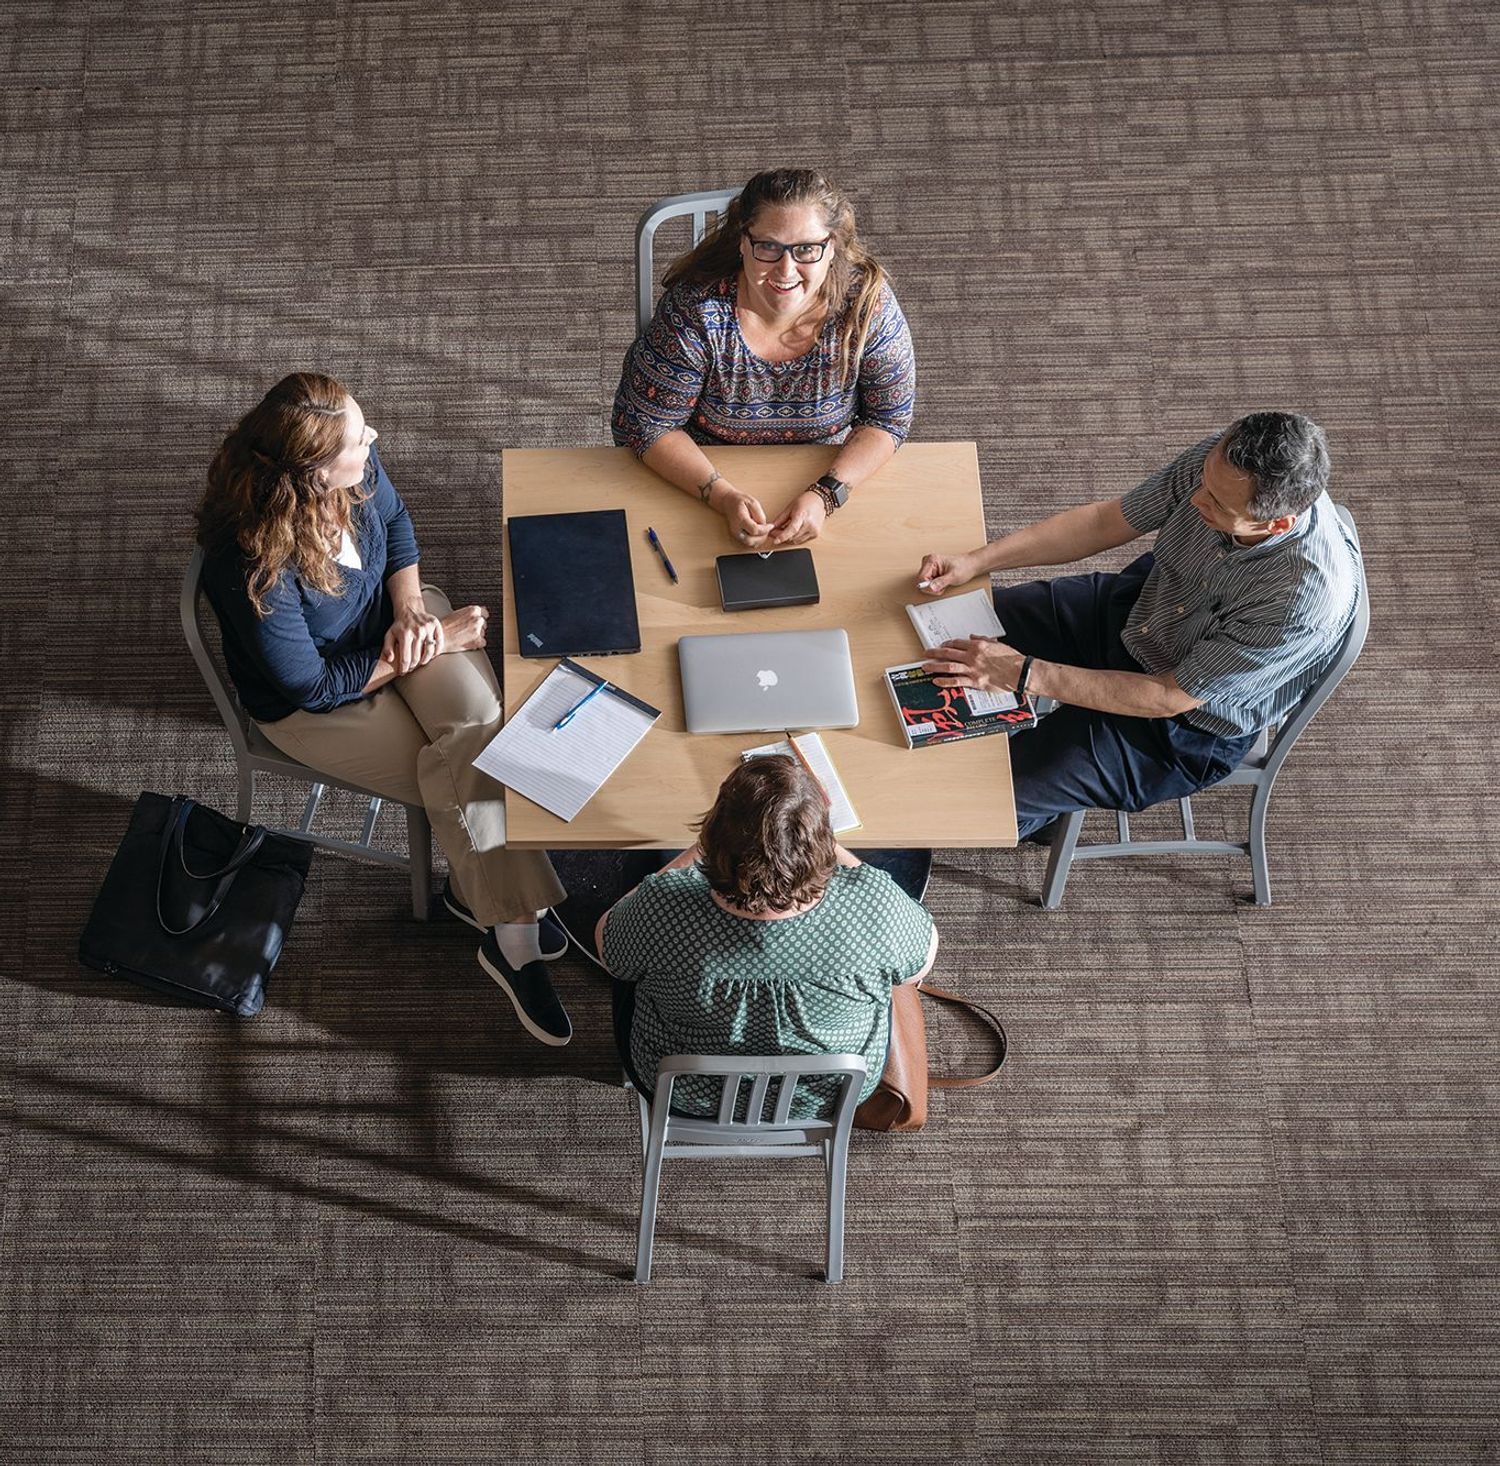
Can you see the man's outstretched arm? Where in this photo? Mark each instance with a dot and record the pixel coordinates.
(1075, 534)
(995, 667)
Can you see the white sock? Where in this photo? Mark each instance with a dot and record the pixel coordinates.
(518, 942)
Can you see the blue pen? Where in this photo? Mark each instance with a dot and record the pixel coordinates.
(656, 545)
(572, 712)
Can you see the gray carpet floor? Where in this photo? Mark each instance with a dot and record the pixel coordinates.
(1234, 1198)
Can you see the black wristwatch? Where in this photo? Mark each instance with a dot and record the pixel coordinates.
(834, 492)
(1025, 676)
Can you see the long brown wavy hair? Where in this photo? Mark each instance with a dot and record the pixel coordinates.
(263, 493)
(717, 256)
(767, 844)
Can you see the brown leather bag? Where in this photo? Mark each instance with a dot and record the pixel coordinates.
(899, 1101)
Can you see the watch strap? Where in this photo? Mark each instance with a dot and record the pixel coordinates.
(834, 492)
(1025, 675)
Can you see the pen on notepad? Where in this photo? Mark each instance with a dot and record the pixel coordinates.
(572, 712)
(656, 545)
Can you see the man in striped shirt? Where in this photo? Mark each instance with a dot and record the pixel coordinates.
(1167, 671)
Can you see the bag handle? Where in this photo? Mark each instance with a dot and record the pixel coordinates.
(966, 1081)
(171, 843)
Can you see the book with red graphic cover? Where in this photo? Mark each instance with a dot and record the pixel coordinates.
(931, 714)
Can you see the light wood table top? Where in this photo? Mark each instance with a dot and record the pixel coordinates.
(926, 498)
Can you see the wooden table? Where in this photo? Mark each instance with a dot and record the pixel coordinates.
(926, 498)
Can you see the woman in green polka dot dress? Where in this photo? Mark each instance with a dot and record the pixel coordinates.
(767, 937)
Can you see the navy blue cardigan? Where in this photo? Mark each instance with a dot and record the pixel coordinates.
(312, 651)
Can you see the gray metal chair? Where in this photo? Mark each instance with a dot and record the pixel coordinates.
(665, 1136)
(701, 206)
(1259, 770)
(254, 755)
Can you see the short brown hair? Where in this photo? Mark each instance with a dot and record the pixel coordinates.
(767, 844)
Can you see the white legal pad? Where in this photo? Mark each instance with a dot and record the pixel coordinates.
(561, 769)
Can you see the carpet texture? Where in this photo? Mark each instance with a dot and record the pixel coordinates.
(1233, 1199)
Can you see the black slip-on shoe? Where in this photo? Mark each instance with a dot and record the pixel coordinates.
(551, 935)
(530, 992)
(457, 907)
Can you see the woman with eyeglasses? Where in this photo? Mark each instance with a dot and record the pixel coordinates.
(777, 328)
(347, 662)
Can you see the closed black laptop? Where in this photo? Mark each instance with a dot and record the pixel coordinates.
(752, 582)
(573, 587)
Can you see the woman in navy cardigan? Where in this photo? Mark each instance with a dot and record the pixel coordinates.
(348, 663)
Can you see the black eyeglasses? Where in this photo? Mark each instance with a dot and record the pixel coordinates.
(768, 251)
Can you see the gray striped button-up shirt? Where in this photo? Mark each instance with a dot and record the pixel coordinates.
(1245, 629)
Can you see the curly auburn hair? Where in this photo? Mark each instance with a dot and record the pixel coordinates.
(717, 256)
(767, 844)
(263, 493)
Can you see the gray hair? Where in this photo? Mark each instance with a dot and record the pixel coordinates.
(1287, 456)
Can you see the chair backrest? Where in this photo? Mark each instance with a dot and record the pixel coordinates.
(755, 1134)
(190, 606)
(701, 206)
(1349, 649)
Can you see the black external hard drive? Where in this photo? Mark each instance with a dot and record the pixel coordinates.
(754, 582)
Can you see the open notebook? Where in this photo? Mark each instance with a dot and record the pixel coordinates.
(809, 750)
(561, 769)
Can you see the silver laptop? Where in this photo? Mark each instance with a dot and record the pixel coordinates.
(765, 681)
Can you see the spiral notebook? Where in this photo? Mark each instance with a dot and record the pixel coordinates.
(561, 769)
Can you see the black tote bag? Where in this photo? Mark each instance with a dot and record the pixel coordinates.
(196, 904)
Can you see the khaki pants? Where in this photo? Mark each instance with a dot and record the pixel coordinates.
(415, 741)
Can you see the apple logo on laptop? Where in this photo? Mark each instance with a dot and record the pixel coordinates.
(767, 679)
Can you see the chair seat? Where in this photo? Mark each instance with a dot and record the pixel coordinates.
(262, 747)
(1254, 762)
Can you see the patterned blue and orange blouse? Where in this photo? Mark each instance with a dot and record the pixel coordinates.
(691, 369)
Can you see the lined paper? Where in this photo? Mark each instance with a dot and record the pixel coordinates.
(562, 770)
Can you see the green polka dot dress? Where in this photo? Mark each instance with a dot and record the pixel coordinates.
(708, 982)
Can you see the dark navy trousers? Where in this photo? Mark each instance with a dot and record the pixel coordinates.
(1077, 758)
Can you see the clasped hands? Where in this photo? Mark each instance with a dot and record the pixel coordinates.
(801, 520)
(416, 636)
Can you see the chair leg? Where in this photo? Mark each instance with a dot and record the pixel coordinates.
(643, 1111)
(1060, 859)
(650, 1187)
(1260, 870)
(246, 801)
(419, 852)
(838, 1174)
